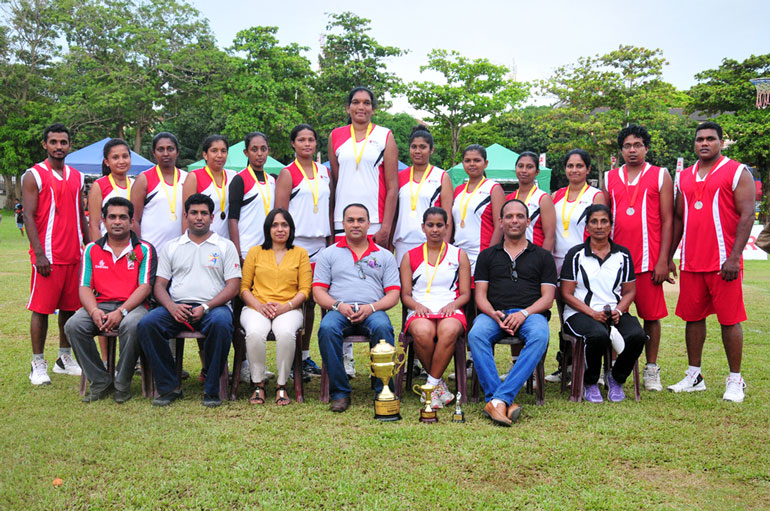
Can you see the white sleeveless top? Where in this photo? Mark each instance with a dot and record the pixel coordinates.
(409, 227)
(476, 234)
(444, 286)
(157, 225)
(577, 222)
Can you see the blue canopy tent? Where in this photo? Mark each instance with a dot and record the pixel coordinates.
(89, 160)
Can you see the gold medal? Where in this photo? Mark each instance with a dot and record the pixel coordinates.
(462, 224)
(173, 217)
(315, 209)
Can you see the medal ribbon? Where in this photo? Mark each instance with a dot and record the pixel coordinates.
(529, 195)
(115, 186)
(435, 267)
(565, 219)
(264, 192)
(636, 188)
(464, 205)
(314, 186)
(416, 196)
(363, 144)
(222, 196)
(171, 201)
(699, 189)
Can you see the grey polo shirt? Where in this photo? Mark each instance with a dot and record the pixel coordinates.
(198, 272)
(350, 279)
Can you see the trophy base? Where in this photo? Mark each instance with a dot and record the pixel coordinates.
(387, 411)
(428, 417)
(458, 417)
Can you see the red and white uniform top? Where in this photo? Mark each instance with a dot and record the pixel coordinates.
(159, 224)
(474, 233)
(576, 213)
(252, 201)
(58, 213)
(109, 191)
(709, 228)
(636, 213)
(365, 184)
(207, 187)
(310, 221)
(427, 193)
(444, 278)
(535, 232)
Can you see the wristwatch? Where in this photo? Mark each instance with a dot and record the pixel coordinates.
(525, 313)
(336, 305)
(205, 307)
(123, 311)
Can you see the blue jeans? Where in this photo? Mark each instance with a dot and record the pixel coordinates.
(334, 326)
(158, 326)
(485, 333)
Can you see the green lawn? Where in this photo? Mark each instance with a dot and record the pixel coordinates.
(666, 452)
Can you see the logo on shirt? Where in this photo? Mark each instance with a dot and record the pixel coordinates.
(129, 264)
(371, 262)
(213, 258)
(100, 265)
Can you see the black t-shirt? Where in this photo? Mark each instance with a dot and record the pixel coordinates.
(534, 267)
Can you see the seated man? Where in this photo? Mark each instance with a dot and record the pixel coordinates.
(515, 289)
(356, 281)
(205, 274)
(116, 277)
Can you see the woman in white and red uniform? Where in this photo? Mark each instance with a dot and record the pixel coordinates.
(542, 215)
(157, 194)
(212, 180)
(304, 189)
(476, 208)
(113, 183)
(419, 187)
(364, 165)
(435, 286)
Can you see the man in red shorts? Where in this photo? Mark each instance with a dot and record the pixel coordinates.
(713, 219)
(642, 200)
(52, 196)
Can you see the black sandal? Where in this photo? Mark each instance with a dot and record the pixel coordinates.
(258, 398)
(281, 396)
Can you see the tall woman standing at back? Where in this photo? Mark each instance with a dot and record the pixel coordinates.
(364, 163)
(212, 180)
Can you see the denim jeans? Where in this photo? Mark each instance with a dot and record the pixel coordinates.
(485, 333)
(334, 326)
(158, 326)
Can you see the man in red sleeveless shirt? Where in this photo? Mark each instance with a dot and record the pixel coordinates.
(713, 219)
(54, 214)
(642, 200)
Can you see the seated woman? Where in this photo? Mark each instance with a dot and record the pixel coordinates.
(598, 286)
(435, 285)
(276, 281)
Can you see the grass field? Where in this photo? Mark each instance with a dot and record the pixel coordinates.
(666, 452)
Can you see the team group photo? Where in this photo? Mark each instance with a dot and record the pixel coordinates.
(497, 290)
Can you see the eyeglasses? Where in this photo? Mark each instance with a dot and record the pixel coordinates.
(636, 146)
(360, 269)
(514, 273)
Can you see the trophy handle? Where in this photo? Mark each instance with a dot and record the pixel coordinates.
(368, 365)
(400, 359)
(415, 389)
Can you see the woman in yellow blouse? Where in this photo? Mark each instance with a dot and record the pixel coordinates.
(276, 280)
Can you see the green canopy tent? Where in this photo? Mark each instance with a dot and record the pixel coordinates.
(237, 161)
(502, 168)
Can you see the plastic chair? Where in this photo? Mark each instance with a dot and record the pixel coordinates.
(112, 348)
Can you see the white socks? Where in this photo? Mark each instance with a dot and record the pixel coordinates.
(433, 381)
(496, 402)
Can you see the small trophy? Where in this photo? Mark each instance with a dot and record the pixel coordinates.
(459, 415)
(427, 414)
(385, 361)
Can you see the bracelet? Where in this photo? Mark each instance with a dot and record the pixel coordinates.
(290, 305)
(372, 306)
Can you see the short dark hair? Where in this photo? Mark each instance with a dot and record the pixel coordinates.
(118, 202)
(513, 200)
(358, 205)
(530, 154)
(421, 131)
(637, 131)
(709, 125)
(359, 89)
(583, 156)
(433, 210)
(597, 208)
(208, 141)
(300, 127)
(253, 134)
(476, 147)
(165, 134)
(113, 142)
(269, 219)
(198, 198)
(56, 127)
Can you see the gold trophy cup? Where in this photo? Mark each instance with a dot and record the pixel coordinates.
(427, 414)
(386, 361)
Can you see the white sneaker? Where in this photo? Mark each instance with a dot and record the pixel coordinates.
(468, 371)
(350, 366)
(555, 377)
(65, 364)
(734, 390)
(445, 396)
(245, 372)
(651, 377)
(38, 374)
(689, 384)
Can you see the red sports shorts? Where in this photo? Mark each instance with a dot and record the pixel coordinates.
(59, 290)
(650, 302)
(705, 293)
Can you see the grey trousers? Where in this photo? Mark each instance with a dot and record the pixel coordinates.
(81, 329)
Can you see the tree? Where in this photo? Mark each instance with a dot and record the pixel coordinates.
(475, 90)
(349, 58)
